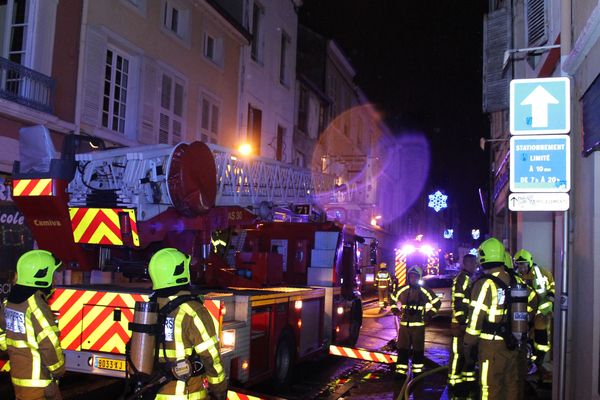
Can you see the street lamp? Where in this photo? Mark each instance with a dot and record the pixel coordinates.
(510, 52)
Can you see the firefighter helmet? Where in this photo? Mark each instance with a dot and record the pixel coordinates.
(523, 256)
(36, 268)
(508, 261)
(382, 265)
(491, 250)
(415, 269)
(169, 267)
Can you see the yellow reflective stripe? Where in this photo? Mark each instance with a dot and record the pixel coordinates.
(212, 350)
(489, 336)
(484, 380)
(3, 341)
(216, 380)
(473, 332)
(454, 378)
(539, 279)
(178, 335)
(541, 347)
(205, 345)
(190, 396)
(49, 331)
(412, 307)
(36, 362)
(545, 305)
(406, 323)
(56, 365)
(31, 382)
(493, 311)
(458, 313)
(19, 344)
(478, 306)
(459, 294)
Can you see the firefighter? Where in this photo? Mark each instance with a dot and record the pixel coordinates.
(542, 282)
(188, 330)
(498, 357)
(31, 331)
(415, 305)
(459, 378)
(384, 281)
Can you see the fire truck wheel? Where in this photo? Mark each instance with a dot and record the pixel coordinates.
(355, 322)
(284, 358)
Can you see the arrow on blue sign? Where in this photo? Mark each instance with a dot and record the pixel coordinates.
(539, 100)
(540, 106)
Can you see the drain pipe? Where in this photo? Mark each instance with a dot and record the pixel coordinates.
(81, 66)
(565, 50)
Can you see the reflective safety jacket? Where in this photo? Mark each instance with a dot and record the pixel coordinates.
(415, 303)
(461, 297)
(190, 329)
(542, 281)
(383, 278)
(31, 339)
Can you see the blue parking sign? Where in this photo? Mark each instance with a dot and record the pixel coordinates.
(540, 106)
(540, 163)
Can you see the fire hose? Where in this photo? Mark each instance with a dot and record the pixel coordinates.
(409, 384)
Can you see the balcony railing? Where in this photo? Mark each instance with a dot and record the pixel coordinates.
(26, 86)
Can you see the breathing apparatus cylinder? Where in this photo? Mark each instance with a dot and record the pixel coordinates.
(518, 311)
(143, 337)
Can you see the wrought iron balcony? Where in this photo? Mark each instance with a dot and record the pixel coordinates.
(26, 86)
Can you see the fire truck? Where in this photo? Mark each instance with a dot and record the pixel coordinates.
(279, 284)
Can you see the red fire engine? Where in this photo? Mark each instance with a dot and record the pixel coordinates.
(282, 289)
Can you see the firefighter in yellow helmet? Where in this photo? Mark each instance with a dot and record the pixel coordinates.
(188, 329)
(460, 378)
(414, 304)
(498, 355)
(383, 281)
(542, 282)
(31, 331)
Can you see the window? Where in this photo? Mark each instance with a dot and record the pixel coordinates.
(279, 156)
(171, 110)
(175, 19)
(303, 110)
(284, 68)
(256, 51)
(114, 99)
(209, 119)
(254, 128)
(213, 49)
(535, 20)
(15, 21)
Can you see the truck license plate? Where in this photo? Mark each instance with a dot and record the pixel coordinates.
(109, 363)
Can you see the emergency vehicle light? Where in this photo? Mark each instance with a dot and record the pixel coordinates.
(340, 310)
(228, 339)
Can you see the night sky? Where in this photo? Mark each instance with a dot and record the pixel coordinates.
(420, 62)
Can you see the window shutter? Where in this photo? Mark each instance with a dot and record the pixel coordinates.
(536, 23)
(496, 79)
(148, 101)
(95, 58)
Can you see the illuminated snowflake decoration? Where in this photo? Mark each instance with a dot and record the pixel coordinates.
(437, 201)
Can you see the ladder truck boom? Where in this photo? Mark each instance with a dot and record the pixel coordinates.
(136, 198)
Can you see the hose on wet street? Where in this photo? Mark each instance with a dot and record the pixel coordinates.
(409, 384)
